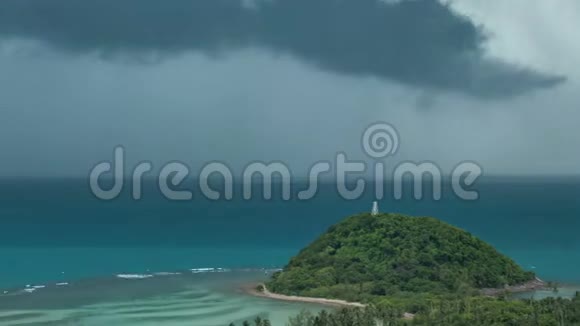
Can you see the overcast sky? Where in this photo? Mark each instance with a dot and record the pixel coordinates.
(491, 81)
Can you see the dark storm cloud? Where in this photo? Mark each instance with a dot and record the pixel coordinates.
(421, 43)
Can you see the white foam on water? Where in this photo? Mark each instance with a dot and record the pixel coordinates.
(209, 270)
(134, 276)
(30, 288)
(166, 274)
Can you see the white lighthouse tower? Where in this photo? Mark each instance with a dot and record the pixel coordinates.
(375, 210)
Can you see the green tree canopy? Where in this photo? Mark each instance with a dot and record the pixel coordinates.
(367, 256)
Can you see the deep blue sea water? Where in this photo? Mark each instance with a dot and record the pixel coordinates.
(55, 230)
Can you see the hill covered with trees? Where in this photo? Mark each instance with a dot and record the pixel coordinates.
(365, 256)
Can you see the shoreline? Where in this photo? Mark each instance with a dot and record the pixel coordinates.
(533, 285)
(251, 289)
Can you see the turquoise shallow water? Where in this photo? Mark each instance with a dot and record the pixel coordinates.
(186, 299)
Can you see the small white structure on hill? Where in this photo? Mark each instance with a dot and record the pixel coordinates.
(375, 210)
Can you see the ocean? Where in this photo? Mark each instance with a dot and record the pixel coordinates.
(204, 299)
(55, 231)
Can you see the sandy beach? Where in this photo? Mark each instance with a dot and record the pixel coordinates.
(265, 293)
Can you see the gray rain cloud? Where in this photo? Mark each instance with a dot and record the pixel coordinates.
(423, 44)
